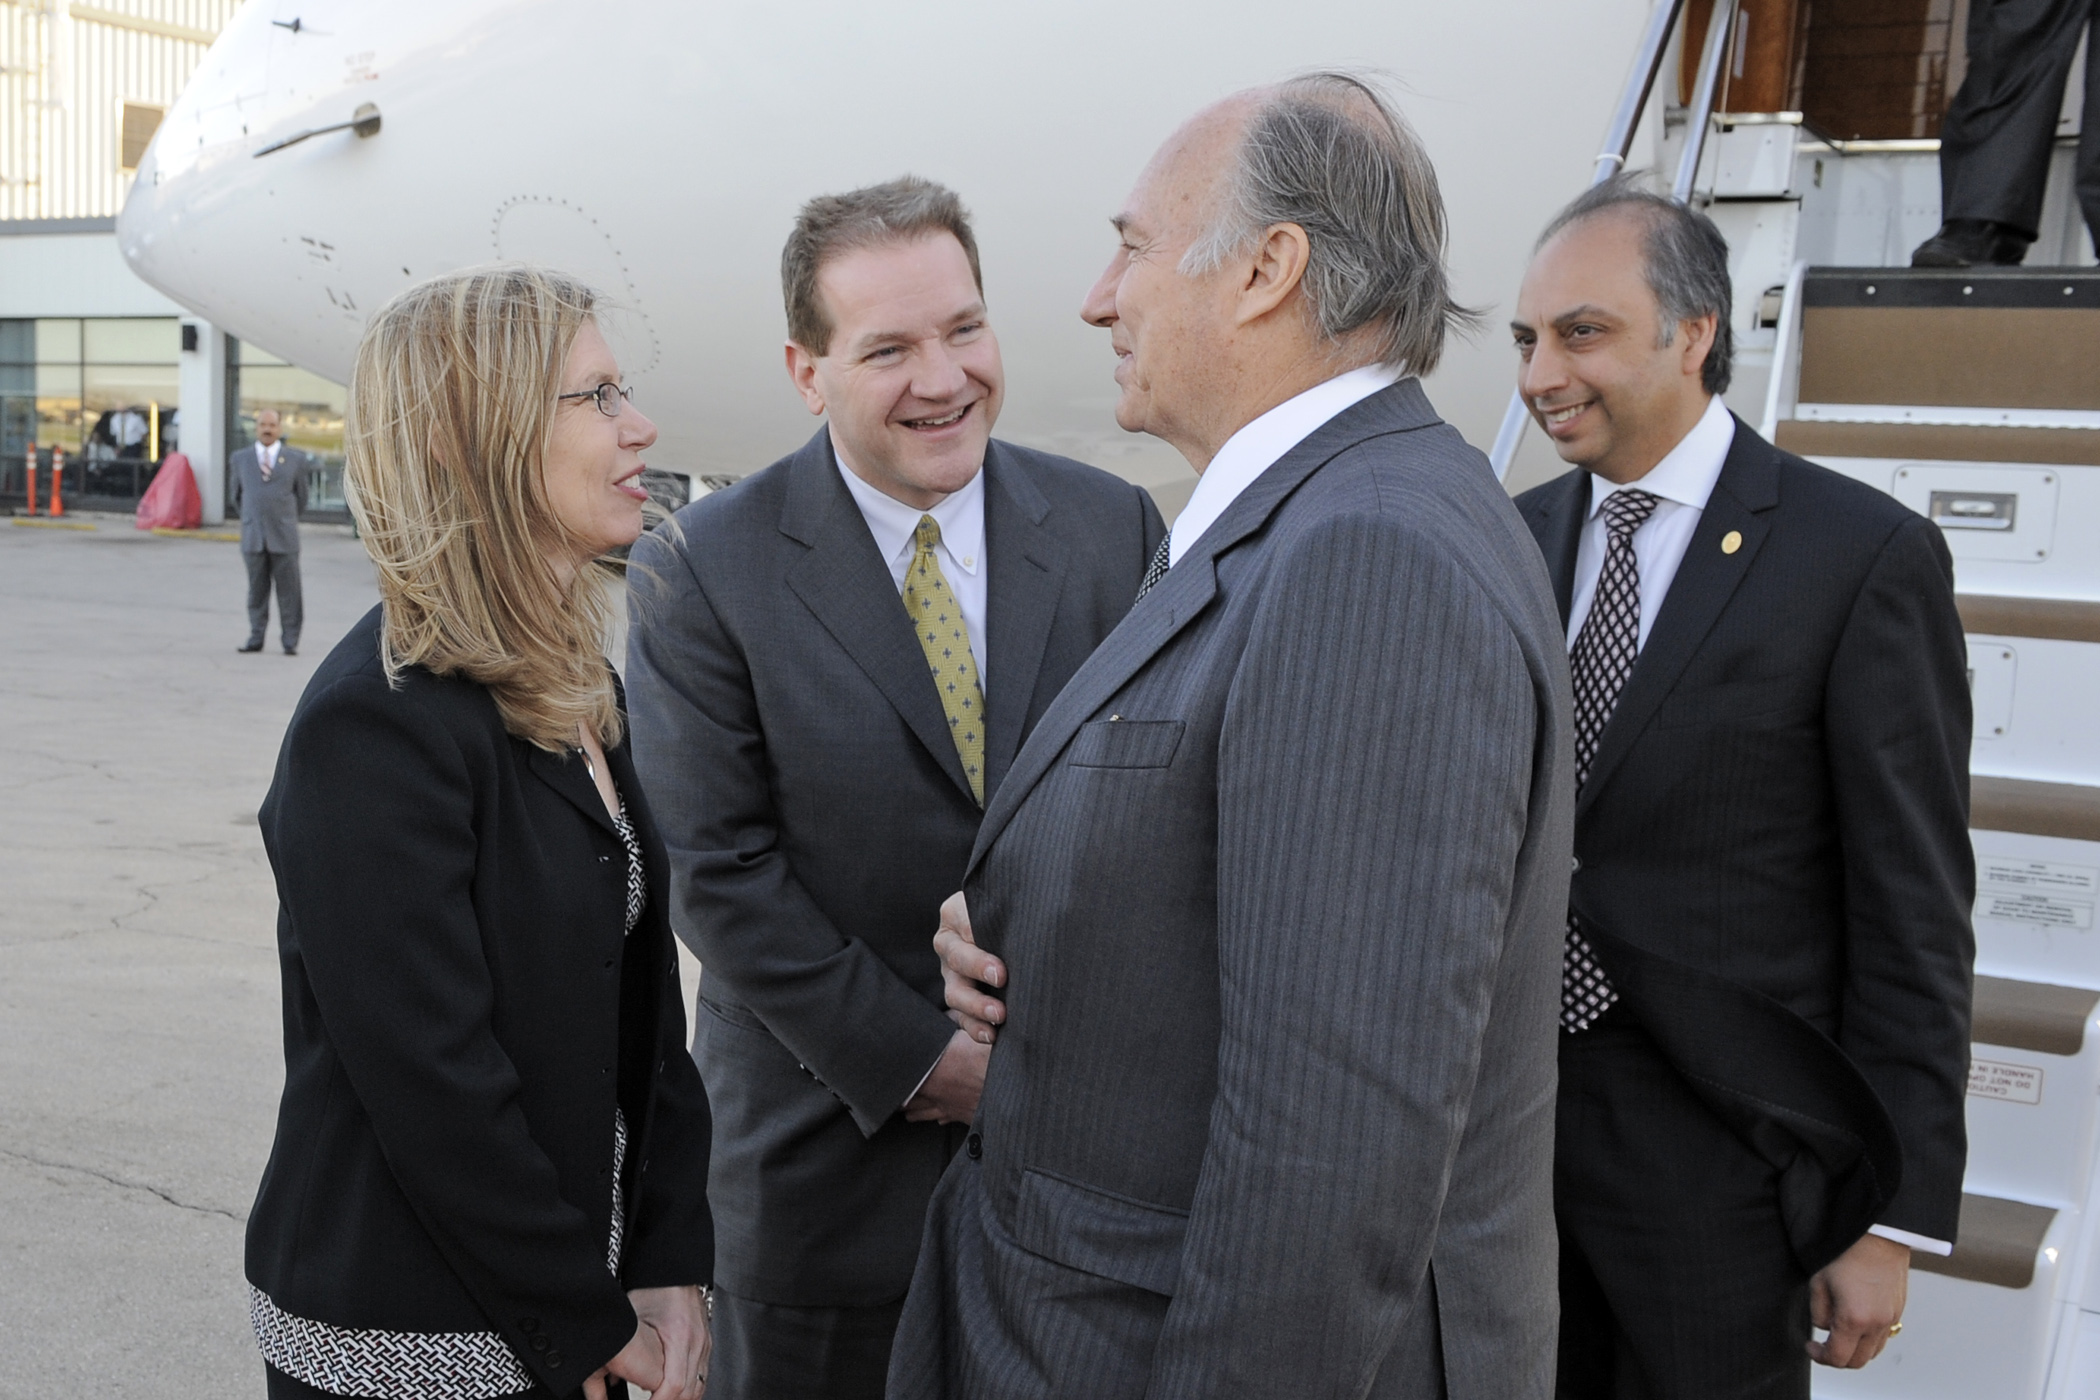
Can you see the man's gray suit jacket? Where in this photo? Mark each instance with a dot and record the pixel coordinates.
(269, 510)
(1280, 880)
(803, 774)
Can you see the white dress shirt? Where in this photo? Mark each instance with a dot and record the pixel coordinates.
(960, 552)
(1261, 444)
(1683, 481)
(962, 558)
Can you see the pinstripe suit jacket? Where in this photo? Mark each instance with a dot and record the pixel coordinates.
(1280, 878)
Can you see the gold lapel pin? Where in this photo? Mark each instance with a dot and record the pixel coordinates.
(1732, 541)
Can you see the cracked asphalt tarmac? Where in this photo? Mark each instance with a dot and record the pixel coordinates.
(140, 1059)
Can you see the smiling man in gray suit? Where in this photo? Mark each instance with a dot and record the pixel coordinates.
(269, 490)
(1278, 878)
(831, 667)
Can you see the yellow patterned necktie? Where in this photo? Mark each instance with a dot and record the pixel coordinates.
(946, 642)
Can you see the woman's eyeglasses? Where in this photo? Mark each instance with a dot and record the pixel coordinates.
(608, 397)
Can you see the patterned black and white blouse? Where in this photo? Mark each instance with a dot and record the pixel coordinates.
(373, 1363)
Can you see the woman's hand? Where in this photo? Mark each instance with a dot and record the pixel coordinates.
(678, 1316)
(640, 1361)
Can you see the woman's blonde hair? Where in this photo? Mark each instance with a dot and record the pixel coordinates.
(452, 402)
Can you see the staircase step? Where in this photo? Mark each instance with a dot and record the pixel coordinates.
(2037, 1016)
(2070, 811)
(1992, 288)
(1932, 442)
(1963, 338)
(1996, 1244)
(2049, 619)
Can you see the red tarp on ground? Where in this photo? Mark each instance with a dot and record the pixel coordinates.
(171, 502)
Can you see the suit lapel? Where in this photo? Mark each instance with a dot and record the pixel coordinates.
(636, 801)
(1742, 503)
(1187, 590)
(1165, 612)
(1027, 566)
(1556, 517)
(565, 773)
(846, 583)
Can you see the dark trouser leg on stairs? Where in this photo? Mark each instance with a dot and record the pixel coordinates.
(1995, 142)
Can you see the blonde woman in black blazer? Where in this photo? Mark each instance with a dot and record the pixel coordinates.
(490, 1171)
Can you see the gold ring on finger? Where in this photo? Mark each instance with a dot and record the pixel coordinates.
(1895, 1330)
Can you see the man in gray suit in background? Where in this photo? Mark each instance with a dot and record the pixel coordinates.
(1275, 889)
(268, 490)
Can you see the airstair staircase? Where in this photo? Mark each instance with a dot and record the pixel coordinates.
(1973, 396)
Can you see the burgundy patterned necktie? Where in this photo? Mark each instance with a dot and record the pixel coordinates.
(1605, 650)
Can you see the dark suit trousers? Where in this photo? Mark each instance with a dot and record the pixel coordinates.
(769, 1351)
(282, 570)
(1995, 142)
(1677, 1281)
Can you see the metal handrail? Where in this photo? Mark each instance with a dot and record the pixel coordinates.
(1618, 142)
(1700, 119)
(1785, 356)
(1633, 98)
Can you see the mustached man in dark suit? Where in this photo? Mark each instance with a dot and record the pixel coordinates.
(832, 667)
(270, 479)
(1276, 886)
(1765, 1008)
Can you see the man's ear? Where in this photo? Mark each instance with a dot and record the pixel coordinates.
(1699, 337)
(1275, 271)
(802, 373)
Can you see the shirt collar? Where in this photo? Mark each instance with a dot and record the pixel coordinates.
(1262, 443)
(894, 524)
(1688, 471)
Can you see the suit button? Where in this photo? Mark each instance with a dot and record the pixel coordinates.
(539, 1342)
(1574, 865)
(974, 1145)
(554, 1361)
(608, 964)
(528, 1324)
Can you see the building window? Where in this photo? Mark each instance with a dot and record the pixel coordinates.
(102, 391)
(140, 122)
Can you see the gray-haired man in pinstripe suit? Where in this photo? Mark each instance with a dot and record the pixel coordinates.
(1275, 891)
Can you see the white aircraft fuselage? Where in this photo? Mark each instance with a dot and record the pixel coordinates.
(661, 150)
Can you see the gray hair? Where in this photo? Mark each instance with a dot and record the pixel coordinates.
(1685, 263)
(1327, 151)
